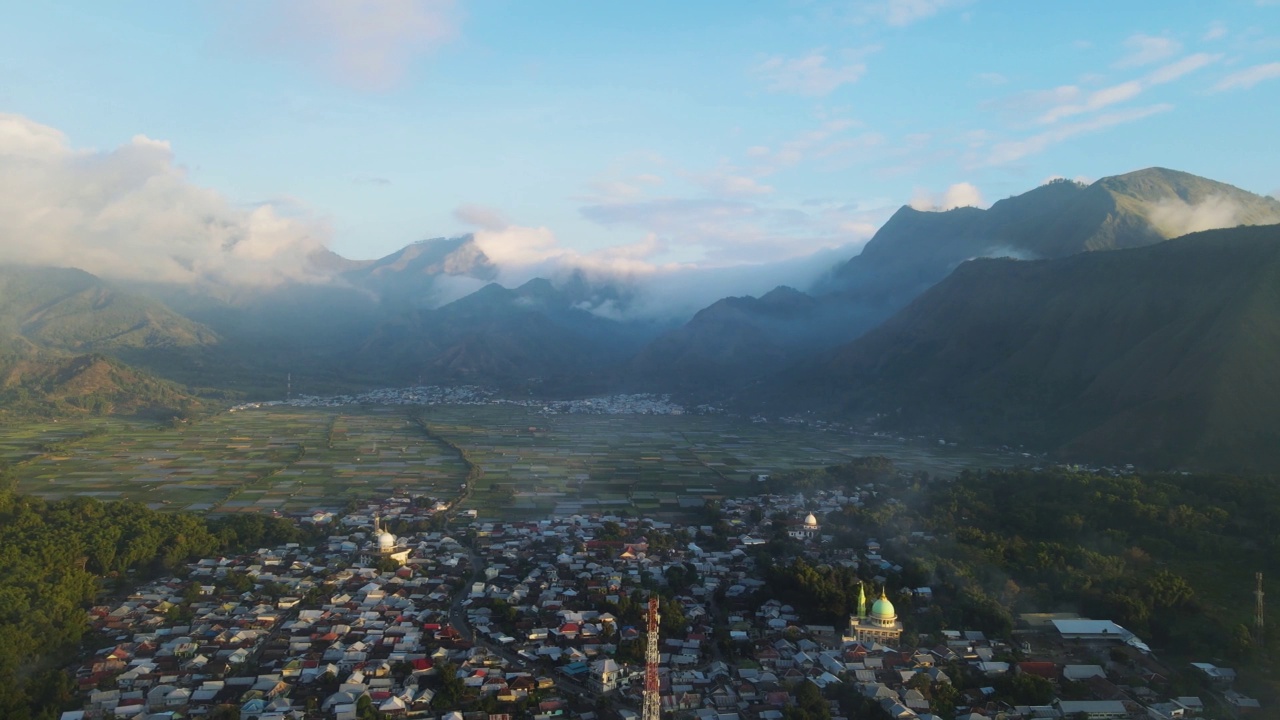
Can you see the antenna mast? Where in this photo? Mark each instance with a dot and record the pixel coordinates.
(1258, 612)
(652, 707)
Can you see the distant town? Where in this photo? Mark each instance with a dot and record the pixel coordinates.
(633, 404)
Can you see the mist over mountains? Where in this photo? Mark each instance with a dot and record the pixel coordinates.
(788, 337)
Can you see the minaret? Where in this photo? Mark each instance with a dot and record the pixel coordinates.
(862, 601)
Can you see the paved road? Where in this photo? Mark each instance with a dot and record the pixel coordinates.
(457, 612)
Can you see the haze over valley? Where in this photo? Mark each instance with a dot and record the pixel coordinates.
(724, 360)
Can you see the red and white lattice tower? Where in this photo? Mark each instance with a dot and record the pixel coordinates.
(652, 706)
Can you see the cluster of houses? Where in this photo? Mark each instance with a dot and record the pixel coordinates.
(546, 620)
(287, 632)
(624, 404)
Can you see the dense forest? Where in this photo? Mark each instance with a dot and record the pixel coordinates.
(57, 557)
(1171, 557)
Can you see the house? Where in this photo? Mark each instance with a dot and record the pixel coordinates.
(1092, 709)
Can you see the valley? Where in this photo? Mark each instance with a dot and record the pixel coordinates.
(1126, 320)
(296, 461)
(449, 360)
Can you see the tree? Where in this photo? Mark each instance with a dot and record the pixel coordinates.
(672, 619)
(1025, 689)
(810, 704)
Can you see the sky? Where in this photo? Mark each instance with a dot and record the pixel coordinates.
(169, 140)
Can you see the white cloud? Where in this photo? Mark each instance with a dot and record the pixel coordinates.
(1247, 78)
(364, 44)
(131, 213)
(1095, 101)
(1175, 217)
(811, 74)
(522, 253)
(962, 194)
(480, 216)
(1100, 99)
(616, 188)
(1010, 151)
(826, 141)
(1175, 70)
(732, 231)
(903, 12)
(1146, 49)
(992, 78)
(1217, 30)
(734, 185)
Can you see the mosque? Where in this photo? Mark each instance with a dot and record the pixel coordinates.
(880, 626)
(808, 531)
(385, 546)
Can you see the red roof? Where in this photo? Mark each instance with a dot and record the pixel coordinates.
(1046, 670)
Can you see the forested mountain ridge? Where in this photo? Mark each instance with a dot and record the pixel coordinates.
(917, 248)
(735, 342)
(43, 384)
(531, 336)
(1161, 355)
(70, 310)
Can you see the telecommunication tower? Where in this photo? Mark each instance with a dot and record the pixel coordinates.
(652, 708)
(1257, 612)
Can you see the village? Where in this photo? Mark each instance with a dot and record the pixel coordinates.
(428, 395)
(407, 608)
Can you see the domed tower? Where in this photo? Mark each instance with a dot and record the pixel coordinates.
(880, 626)
(883, 613)
(386, 541)
(385, 546)
(807, 530)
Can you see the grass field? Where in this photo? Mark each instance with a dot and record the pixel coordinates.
(296, 460)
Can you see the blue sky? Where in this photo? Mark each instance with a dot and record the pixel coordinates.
(638, 136)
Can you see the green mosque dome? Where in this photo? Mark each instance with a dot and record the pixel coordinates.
(882, 609)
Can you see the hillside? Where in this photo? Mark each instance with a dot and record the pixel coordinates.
(533, 336)
(42, 385)
(1162, 355)
(411, 274)
(735, 341)
(71, 310)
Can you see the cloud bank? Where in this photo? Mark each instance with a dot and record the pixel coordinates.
(653, 289)
(131, 213)
(1176, 217)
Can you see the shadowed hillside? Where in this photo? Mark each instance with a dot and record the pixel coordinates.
(1164, 355)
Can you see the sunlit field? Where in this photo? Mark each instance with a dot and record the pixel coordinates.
(293, 460)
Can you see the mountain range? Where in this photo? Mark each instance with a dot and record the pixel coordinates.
(1162, 355)
(1090, 324)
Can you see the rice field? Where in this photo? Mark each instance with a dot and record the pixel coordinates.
(285, 460)
(296, 460)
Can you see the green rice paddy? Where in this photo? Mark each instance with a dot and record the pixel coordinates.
(294, 460)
